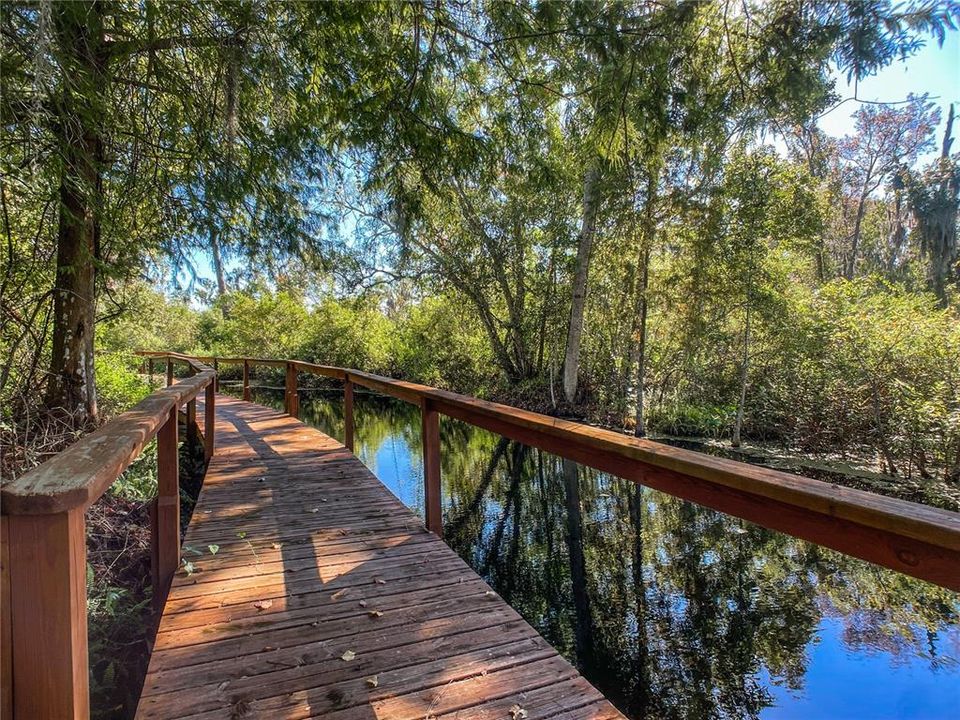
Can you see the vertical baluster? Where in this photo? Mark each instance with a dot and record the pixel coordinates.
(165, 538)
(216, 379)
(246, 380)
(169, 372)
(48, 599)
(150, 370)
(192, 424)
(209, 420)
(292, 401)
(348, 413)
(431, 467)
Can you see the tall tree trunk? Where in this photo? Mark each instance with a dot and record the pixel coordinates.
(588, 226)
(547, 303)
(71, 384)
(851, 269)
(640, 429)
(217, 259)
(744, 368)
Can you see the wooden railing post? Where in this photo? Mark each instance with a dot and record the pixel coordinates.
(192, 423)
(216, 379)
(246, 380)
(48, 589)
(166, 530)
(292, 402)
(169, 372)
(6, 624)
(348, 413)
(150, 370)
(209, 420)
(431, 468)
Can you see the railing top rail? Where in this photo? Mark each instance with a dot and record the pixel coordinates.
(909, 537)
(79, 475)
(920, 522)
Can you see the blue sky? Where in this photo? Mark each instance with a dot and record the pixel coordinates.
(934, 70)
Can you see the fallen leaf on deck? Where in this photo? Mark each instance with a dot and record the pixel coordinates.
(491, 595)
(380, 581)
(374, 613)
(223, 686)
(240, 709)
(213, 549)
(339, 594)
(372, 681)
(277, 546)
(517, 712)
(263, 604)
(348, 655)
(363, 603)
(241, 535)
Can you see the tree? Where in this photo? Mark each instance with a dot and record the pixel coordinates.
(769, 204)
(161, 132)
(887, 138)
(934, 198)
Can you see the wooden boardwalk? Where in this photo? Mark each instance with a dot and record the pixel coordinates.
(326, 597)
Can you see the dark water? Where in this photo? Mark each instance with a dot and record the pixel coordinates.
(670, 609)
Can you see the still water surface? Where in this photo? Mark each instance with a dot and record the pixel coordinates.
(670, 609)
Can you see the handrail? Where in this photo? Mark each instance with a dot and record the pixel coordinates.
(43, 630)
(914, 539)
(80, 474)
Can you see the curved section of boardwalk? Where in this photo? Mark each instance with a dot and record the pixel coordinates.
(326, 597)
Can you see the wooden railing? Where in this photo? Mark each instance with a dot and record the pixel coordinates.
(43, 586)
(914, 539)
(42, 539)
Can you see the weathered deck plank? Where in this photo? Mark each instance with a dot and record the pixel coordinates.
(316, 559)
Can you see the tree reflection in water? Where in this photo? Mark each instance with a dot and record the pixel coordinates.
(672, 610)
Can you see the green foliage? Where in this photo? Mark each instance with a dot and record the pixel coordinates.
(257, 323)
(139, 481)
(881, 366)
(119, 384)
(437, 343)
(149, 321)
(692, 420)
(350, 333)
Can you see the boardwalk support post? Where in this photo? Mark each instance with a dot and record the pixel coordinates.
(246, 381)
(348, 413)
(192, 424)
(48, 588)
(165, 537)
(209, 421)
(150, 371)
(431, 467)
(169, 372)
(292, 401)
(216, 379)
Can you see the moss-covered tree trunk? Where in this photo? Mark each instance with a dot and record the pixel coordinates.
(79, 36)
